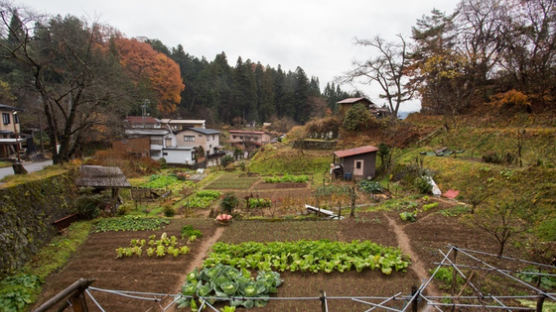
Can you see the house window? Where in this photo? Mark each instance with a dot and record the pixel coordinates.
(16, 118)
(6, 118)
(358, 164)
(233, 136)
(189, 138)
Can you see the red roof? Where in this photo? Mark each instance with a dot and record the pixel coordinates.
(246, 131)
(356, 151)
(141, 120)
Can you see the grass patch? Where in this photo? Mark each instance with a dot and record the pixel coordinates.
(273, 160)
(50, 171)
(232, 181)
(454, 211)
(21, 289)
(4, 164)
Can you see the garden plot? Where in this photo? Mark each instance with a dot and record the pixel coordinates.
(372, 226)
(96, 259)
(232, 181)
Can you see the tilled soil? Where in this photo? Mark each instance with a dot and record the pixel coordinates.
(95, 260)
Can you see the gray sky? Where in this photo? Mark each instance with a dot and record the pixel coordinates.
(317, 35)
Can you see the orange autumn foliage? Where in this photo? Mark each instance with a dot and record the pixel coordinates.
(141, 61)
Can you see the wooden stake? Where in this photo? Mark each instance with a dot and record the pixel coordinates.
(414, 304)
(540, 303)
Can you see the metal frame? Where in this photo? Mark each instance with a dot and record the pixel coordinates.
(396, 302)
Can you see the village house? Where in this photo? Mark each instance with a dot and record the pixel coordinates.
(249, 138)
(10, 141)
(177, 141)
(346, 104)
(141, 122)
(207, 139)
(359, 162)
(181, 124)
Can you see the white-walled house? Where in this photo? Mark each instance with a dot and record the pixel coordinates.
(164, 145)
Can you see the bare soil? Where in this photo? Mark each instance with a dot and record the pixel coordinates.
(95, 260)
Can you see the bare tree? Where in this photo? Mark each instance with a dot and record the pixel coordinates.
(73, 72)
(504, 220)
(388, 69)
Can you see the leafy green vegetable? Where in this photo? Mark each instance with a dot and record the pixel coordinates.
(370, 187)
(287, 178)
(259, 203)
(308, 256)
(201, 199)
(161, 181)
(17, 291)
(162, 247)
(226, 281)
(130, 223)
(408, 216)
(188, 231)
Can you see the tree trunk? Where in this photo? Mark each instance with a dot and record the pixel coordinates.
(501, 249)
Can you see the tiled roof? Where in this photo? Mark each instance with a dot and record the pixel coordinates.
(356, 151)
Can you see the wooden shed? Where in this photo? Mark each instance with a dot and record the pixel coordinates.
(101, 178)
(359, 162)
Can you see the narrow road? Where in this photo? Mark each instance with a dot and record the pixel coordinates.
(416, 264)
(30, 166)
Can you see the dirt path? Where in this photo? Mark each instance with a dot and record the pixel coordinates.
(416, 264)
(197, 262)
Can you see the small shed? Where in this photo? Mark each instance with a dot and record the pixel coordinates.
(346, 104)
(359, 162)
(102, 178)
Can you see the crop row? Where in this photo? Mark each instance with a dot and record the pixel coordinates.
(156, 247)
(287, 178)
(201, 199)
(130, 223)
(309, 256)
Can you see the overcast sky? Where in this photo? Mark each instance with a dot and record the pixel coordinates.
(317, 35)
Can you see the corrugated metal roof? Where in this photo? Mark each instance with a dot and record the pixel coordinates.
(11, 108)
(353, 100)
(246, 132)
(141, 119)
(356, 151)
(204, 131)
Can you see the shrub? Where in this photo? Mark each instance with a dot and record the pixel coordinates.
(229, 202)
(169, 211)
(492, 157)
(422, 185)
(88, 206)
(162, 163)
(226, 160)
(356, 118)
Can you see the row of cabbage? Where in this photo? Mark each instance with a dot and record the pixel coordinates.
(224, 281)
(309, 256)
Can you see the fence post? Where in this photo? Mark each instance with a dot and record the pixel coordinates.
(540, 303)
(454, 278)
(414, 304)
(323, 303)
